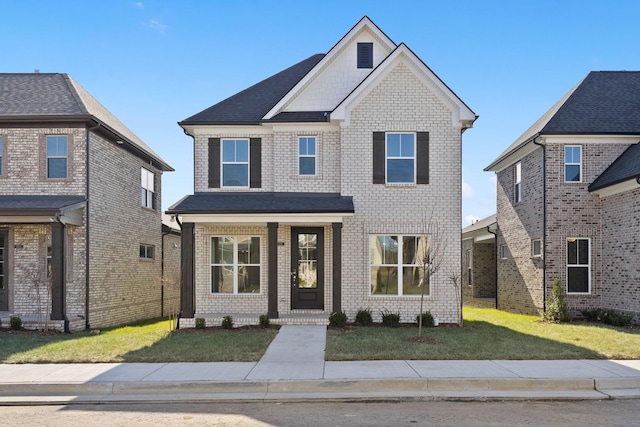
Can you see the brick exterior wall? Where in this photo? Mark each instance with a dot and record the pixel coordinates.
(171, 275)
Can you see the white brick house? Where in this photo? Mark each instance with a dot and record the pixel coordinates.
(313, 188)
(72, 218)
(567, 201)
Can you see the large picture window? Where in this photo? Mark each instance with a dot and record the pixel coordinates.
(235, 163)
(235, 264)
(401, 158)
(573, 163)
(578, 266)
(57, 156)
(396, 265)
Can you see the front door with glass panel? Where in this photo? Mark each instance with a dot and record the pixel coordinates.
(307, 268)
(4, 287)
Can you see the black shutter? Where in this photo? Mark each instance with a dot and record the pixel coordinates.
(214, 162)
(422, 160)
(378, 158)
(255, 166)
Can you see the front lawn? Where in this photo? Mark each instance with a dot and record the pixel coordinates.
(487, 334)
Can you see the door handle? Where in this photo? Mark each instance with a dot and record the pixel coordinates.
(294, 278)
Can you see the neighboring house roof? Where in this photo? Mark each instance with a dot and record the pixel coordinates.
(481, 229)
(249, 106)
(624, 168)
(57, 97)
(603, 103)
(262, 202)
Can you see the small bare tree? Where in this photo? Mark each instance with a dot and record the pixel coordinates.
(455, 279)
(41, 284)
(430, 253)
(171, 295)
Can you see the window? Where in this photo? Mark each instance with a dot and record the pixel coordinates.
(235, 163)
(396, 265)
(0, 156)
(365, 55)
(469, 261)
(536, 247)
(573, 163)
(401, 159)
(307, 155)
(147, 251)
(48, 255)
(148, 186)
(235, 264)
(56, 156)
(504, 252)
(517, 177)
(578, 266)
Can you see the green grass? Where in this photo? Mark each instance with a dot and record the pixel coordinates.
(487, 334)
(144, 342)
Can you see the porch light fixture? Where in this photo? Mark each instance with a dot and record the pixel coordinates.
(638, 179)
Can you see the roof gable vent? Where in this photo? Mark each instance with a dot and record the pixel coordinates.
(365, 55)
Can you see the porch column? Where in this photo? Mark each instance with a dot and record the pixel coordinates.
(187, 303)
(272, 249)
(337, 266)
(57, 271)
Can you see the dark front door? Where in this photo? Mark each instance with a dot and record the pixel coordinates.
(307, 268)
(4, 285)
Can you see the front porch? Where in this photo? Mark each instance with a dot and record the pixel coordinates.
(301, 317)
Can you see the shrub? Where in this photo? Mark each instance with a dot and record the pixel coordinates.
(592, 314)
(616, 318)
(557, 308)
(15, 323)
(264, 321)
(390, 319)
(427, 320)
(227, 322)
(363, 317)
(338, 319)
(200, 323)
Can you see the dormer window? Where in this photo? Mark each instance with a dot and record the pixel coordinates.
(365, 55)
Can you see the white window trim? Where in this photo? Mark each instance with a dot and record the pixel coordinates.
(399, 265)
(503, 251)
(533, 245)
(235, 264)
(387, 158)
(222, 163)
(47, 156)
(517, 182)
(314, 156)
(564, 169)
(146, 251)
(588, 265)
(147, 182)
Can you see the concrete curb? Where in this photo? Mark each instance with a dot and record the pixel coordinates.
(458, 389)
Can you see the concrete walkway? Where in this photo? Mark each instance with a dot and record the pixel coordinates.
(293, 369)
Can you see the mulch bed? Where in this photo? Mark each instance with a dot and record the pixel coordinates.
(220, 328)
(8, 331)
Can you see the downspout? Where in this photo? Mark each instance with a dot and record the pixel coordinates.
(544, 223)
(495, 251)
(87, 324)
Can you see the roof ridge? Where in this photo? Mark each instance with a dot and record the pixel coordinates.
(74, 92)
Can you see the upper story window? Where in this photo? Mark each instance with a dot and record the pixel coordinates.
(57, 156)
(401, 158)
(148, 188)
(396, 264)
(307, 155)
(235, 163)
(578, 266)
(365, 55)
(573, 163)
(517, 180)
(504, 252)
(235, 264)
(536, 248)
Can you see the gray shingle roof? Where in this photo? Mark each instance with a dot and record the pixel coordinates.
(42, 96)
(605, 102)
(44, 205)
(250, 105)
(625, 167)
(263, 202)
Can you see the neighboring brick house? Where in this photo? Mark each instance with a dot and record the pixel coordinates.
(79, 208)
(568, 201)
(313, 189)
(479, 259)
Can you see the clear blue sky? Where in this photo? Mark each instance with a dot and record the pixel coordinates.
(154, 63)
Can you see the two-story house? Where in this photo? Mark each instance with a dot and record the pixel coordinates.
(80, 217)
(567, 201)
(317, 189)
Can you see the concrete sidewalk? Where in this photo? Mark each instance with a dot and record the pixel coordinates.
(293, 369)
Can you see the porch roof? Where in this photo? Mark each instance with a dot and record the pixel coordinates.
(20, 209)
(263, 203)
